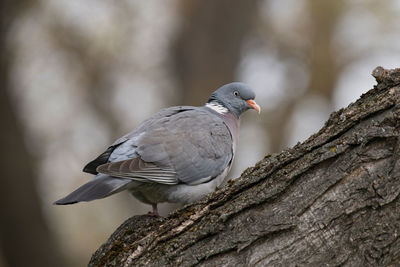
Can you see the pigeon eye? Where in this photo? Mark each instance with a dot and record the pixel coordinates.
(236, 93)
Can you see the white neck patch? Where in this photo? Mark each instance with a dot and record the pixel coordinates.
(217, 107)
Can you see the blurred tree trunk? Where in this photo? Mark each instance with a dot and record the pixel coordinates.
(97, 87)
(323, 66)
(25, 239)
(207, 49)
(332, 200)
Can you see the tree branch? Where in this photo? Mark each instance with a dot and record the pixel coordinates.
(332, 199)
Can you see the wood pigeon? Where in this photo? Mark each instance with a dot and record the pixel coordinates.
(178, 155)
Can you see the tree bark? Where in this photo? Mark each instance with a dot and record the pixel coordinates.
(332, 200)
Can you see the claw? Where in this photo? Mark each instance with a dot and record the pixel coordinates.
(154, 212)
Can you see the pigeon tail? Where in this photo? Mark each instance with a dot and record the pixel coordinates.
(99, 187)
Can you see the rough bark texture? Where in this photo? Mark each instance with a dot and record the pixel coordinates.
(332, 200)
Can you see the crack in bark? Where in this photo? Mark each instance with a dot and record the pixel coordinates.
(169, 234)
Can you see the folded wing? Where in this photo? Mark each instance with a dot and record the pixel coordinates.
(191, 146)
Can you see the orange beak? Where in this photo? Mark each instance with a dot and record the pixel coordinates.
(254, 105)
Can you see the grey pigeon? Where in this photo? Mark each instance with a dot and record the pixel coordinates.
(178, 155)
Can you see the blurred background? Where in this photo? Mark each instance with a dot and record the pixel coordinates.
(76, 75)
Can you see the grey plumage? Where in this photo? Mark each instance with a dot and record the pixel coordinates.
(179, 154)
(99, 187)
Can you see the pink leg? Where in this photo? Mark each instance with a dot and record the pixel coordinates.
(154, 212)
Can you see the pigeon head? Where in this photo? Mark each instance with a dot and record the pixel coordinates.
(236, 97)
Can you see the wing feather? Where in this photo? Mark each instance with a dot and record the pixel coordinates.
(139, 170)
(177, 145)
(196, 144)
